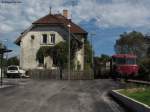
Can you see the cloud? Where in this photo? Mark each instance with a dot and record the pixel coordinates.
(5, 28)
(106, 13)
(115, 13)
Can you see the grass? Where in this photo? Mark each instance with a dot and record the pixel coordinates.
(139, 94)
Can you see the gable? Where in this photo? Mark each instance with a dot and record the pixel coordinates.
(50, 22)
(58, 19)
(61, 30)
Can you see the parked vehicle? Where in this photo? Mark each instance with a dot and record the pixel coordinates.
(124, 65)
(14, 71)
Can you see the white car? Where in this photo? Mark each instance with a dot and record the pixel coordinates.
(14, 71)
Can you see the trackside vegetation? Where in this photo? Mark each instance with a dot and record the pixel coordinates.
(59, 52)
(140, 94)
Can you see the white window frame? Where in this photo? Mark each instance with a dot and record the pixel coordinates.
(53, 35)
(42, 42)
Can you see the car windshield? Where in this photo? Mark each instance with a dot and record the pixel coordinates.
(12, 68)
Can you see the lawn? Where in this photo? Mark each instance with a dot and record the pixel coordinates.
(139, 94)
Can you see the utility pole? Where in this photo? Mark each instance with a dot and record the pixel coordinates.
(69, 50)
(5, 43)
(91, 39)
(1, 69)
(3, 50)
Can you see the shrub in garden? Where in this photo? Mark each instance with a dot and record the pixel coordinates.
(144, 71)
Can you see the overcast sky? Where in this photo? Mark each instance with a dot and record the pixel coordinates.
(107, 18)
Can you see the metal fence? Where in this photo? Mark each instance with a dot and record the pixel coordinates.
(78, 75)
(56, 74)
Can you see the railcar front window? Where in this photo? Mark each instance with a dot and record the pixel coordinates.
(120, 61)
(130, 61)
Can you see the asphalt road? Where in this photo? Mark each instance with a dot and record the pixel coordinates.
(59, 96)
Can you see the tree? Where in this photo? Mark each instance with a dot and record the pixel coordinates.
(148, 52)
(88, 54)
(100, 69)
(105, 58)
(13, 61)
(131, 43)
(144, 71)
(59, 52)
(2, 46)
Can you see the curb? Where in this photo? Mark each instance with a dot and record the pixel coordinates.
(130, 103)
(139, 82)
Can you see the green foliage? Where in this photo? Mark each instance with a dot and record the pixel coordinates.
(148, 51)
(100, 65)
(4, 62)
(59, 52)
(105, 58)
(141, 95)
(13, 61)
(98, 61)
(145, 69)
(131, 43)
(78, 65)
(75, 46)
(2, 46)
(88, 55)
(43, 52)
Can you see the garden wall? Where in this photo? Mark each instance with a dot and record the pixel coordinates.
(55, 74)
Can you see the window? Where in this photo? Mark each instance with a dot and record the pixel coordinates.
(52, 38)
(44, 38)
(120, 60)
(12, 68)
(130, 61)
(32, 37)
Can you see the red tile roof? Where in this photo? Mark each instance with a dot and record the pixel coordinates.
(59, 19)
(55, 19)
(48, 19)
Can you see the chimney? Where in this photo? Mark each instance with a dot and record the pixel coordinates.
(65, 13)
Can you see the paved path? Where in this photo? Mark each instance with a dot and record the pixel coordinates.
(59, 96)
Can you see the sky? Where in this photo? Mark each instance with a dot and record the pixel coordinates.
(107, 19)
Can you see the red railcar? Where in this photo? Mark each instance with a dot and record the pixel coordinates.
(124, 65)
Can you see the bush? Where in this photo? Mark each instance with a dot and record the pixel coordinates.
(144, 71)
(13, 61)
